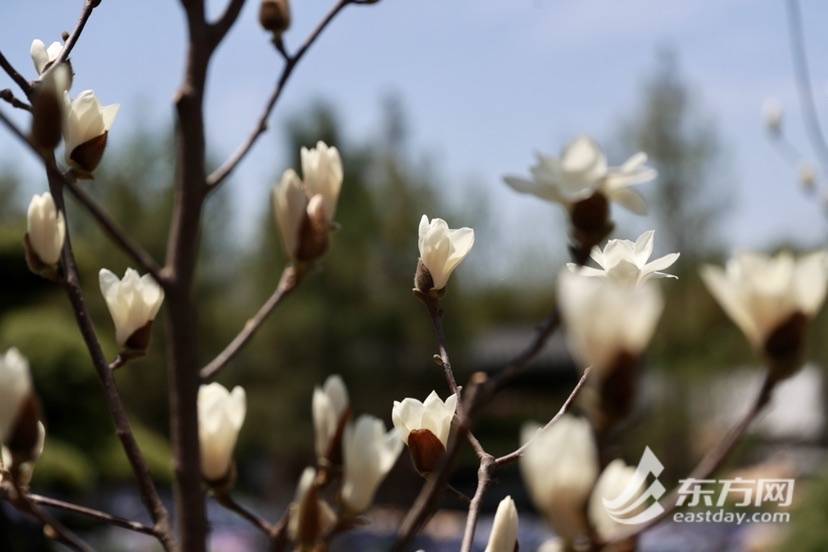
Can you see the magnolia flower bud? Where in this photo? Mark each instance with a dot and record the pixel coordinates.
(274, 16)
(771, 299)
(441, 251)
(220, 418)
(15, 392)
(330, 414)
(807, 177)
(45, 234)
(560, 466)
(627, 262)
(504, 535)
(773, 115)
(369, 454)
(322, 174)
(425, 427)
(616, 481)
(310, 518)
(22, 468)
(43, 57)
(47, 107)
(133, 303)
(85, 129)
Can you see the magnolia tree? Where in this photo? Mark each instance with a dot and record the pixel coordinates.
(609, 307)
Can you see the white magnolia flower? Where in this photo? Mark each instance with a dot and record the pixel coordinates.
(442, 249)
(310, 517)
(86, 125)
(15, 388)
(433, 415)
(605, 319)
(368, 453)
(760, 293)
(773, 115)
(504, 535)
(133, 301)
(560, 466)
(616, 481)
(322, 174)
(330, 410)
(581, 171)
(46, 229)
(220, 417)
(43, 56)
(626, 261)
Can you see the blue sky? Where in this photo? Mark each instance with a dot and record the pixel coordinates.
(485, 84)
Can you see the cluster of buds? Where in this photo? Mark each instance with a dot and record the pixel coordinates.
(305, 209)
(584, 184)
(366, 453)
(22, 433)
(569, 490)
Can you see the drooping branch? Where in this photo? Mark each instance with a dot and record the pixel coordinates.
(91, 513)
(221, 173)
(291, 276)
(712, 461)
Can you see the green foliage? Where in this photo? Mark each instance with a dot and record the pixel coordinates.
(808, 531)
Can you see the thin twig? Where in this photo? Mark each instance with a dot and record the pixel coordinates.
(88, 7)
(804, 85)
(98, 515)
(291, 276)
(115, 232)
(484, 477)
(257, 521)
(52, 528)
(711, 462)
(516, 454)
(19, 79)
(8, 96)
(215, 178)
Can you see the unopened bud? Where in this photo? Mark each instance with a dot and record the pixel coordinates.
(426, 450)
(274, 15)
(807, 177)
(24, 441)
(46, 117)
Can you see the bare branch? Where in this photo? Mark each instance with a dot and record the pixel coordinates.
(516, 454)
(88, 7)
(257, 521)
(804, 85)
(711, 462)
(221, 173)
(291, 277)
(116, 233)
(220, 28)
(8, 96)
(97, 515)
(17, 496)
(19, 79)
